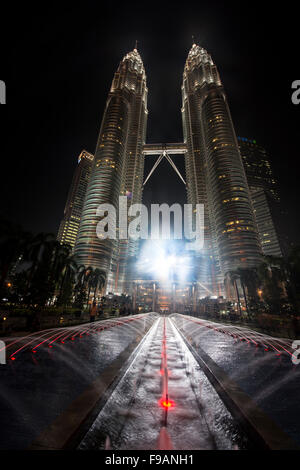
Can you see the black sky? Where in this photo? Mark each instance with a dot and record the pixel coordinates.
(58, 66)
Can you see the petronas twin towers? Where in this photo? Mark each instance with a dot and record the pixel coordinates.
(215, 175)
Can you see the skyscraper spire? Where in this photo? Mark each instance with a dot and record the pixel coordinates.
(136, 43)
(215, 175)
(118, 169)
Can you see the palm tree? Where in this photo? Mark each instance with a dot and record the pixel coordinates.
(249, 281)
(80, 275)
(272, 274)
(51, 263)
(59, 258)
(41, 278)
(69, 269)
(98, 280)
(80, 286)
(84, 282)
(38, 253)
(14, 242)
(37, 244)
(233, 277)
(89, 282)
(293, 277)
(91, 279)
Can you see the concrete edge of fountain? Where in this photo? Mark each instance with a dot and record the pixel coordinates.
(260, 428)
(66, 431)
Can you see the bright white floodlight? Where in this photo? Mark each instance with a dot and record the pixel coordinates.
(158, 260)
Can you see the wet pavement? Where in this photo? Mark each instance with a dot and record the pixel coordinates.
(163, 400)
(270, 379)
(164, 388)
(37, 386)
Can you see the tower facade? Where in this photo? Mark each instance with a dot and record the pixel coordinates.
(117, 169)
(215, 174)
(69, 225)
(264, 195)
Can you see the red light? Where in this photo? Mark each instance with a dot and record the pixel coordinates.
(13, 358)
(164, 403)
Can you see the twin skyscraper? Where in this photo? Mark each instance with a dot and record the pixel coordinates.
(215, 175)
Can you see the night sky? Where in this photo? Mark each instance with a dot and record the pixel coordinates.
(58, 68)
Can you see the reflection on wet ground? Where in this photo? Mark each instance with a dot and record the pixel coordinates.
(133, 416)
(36, 387)
(272, 380)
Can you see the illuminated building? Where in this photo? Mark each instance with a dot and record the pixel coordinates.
(68, 228)
(118, 169)
(264, 194)
(215, 175)
(154, 295)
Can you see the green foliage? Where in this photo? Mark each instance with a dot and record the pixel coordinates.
(40, 269)
(80, 299)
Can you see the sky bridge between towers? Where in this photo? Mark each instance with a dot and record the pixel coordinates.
(164, 151)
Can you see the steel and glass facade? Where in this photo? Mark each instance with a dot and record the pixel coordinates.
(215, 174)
(264, 194)
(69, 225)
(118, 169)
